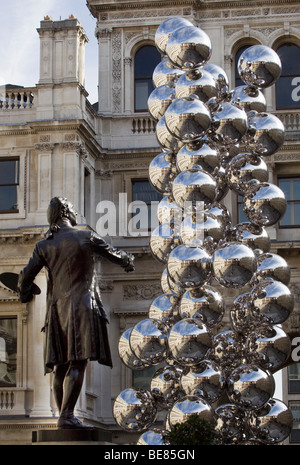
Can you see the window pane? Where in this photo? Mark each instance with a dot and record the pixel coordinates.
(146, 59)
(296, 206)
(285, 186)
(8, 198)
(9, 172)
(8, 352)
(142, 190)
(288, 92)
(289, 55)
(142, 91)
(287, 218)
(296, 189)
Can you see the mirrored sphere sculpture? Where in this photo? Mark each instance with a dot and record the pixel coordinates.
(214, 141)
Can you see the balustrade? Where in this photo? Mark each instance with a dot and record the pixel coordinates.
(16, 99)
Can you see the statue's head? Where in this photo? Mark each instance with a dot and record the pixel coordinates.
(60, 207)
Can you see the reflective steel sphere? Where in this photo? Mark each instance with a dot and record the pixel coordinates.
(166, 28)
(203, 380)
(165, 386)
(272, 265)
(249, 387)
(199, 154)
(241, 317)
(256, 237)
(231, 424)
(190, 405)
(162, 241)
(168, 286)
(202, 228)
(194, 185)
(164, 308)
(167, 140)
(269, 347)
(271, 301)
(229, 124)
(265, 134)
(273, 423)
(196, 82)
(134, 410)
(264, 203)
(242, 169)
(148, 341)
(165, 72)
(204, 303)
(233, 264)
(260, 66)
(160, 99)
(189, 341)
(162, 171)
(168, 210)
(227, 350)
(125, 352)
(189, 266)
(220, 212)
(249, 98)
(151, 438)
(219, 76)
(188, 118)
(188, 47)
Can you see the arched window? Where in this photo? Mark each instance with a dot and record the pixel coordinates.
(145, 61)
(288, 85)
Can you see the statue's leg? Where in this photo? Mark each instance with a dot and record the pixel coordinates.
(58, 381)
(71, 389)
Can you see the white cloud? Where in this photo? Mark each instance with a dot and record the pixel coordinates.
(20, 48)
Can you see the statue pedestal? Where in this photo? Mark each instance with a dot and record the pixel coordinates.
(72, 437)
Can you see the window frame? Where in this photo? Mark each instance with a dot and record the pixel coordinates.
(16, 184)
(22, 189)
(281, 108)
(141, 231)
(288, 177)
(144, 78)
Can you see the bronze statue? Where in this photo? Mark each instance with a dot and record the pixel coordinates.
(75, 324)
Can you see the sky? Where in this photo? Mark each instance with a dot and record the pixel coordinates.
(20, 43)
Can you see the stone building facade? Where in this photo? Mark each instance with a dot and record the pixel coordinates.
(54, 142)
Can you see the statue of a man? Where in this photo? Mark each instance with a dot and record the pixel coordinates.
(75, 324)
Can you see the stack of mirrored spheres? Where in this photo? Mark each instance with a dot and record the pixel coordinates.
(214, 142)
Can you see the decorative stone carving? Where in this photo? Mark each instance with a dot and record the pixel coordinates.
(141, 291)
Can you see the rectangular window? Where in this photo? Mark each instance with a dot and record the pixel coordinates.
(295, 409)
(294, 378)
(9, 185)
(145, 200)
(8, 352)
(291, 188)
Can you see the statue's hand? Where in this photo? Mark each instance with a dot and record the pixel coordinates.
(130, 266)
